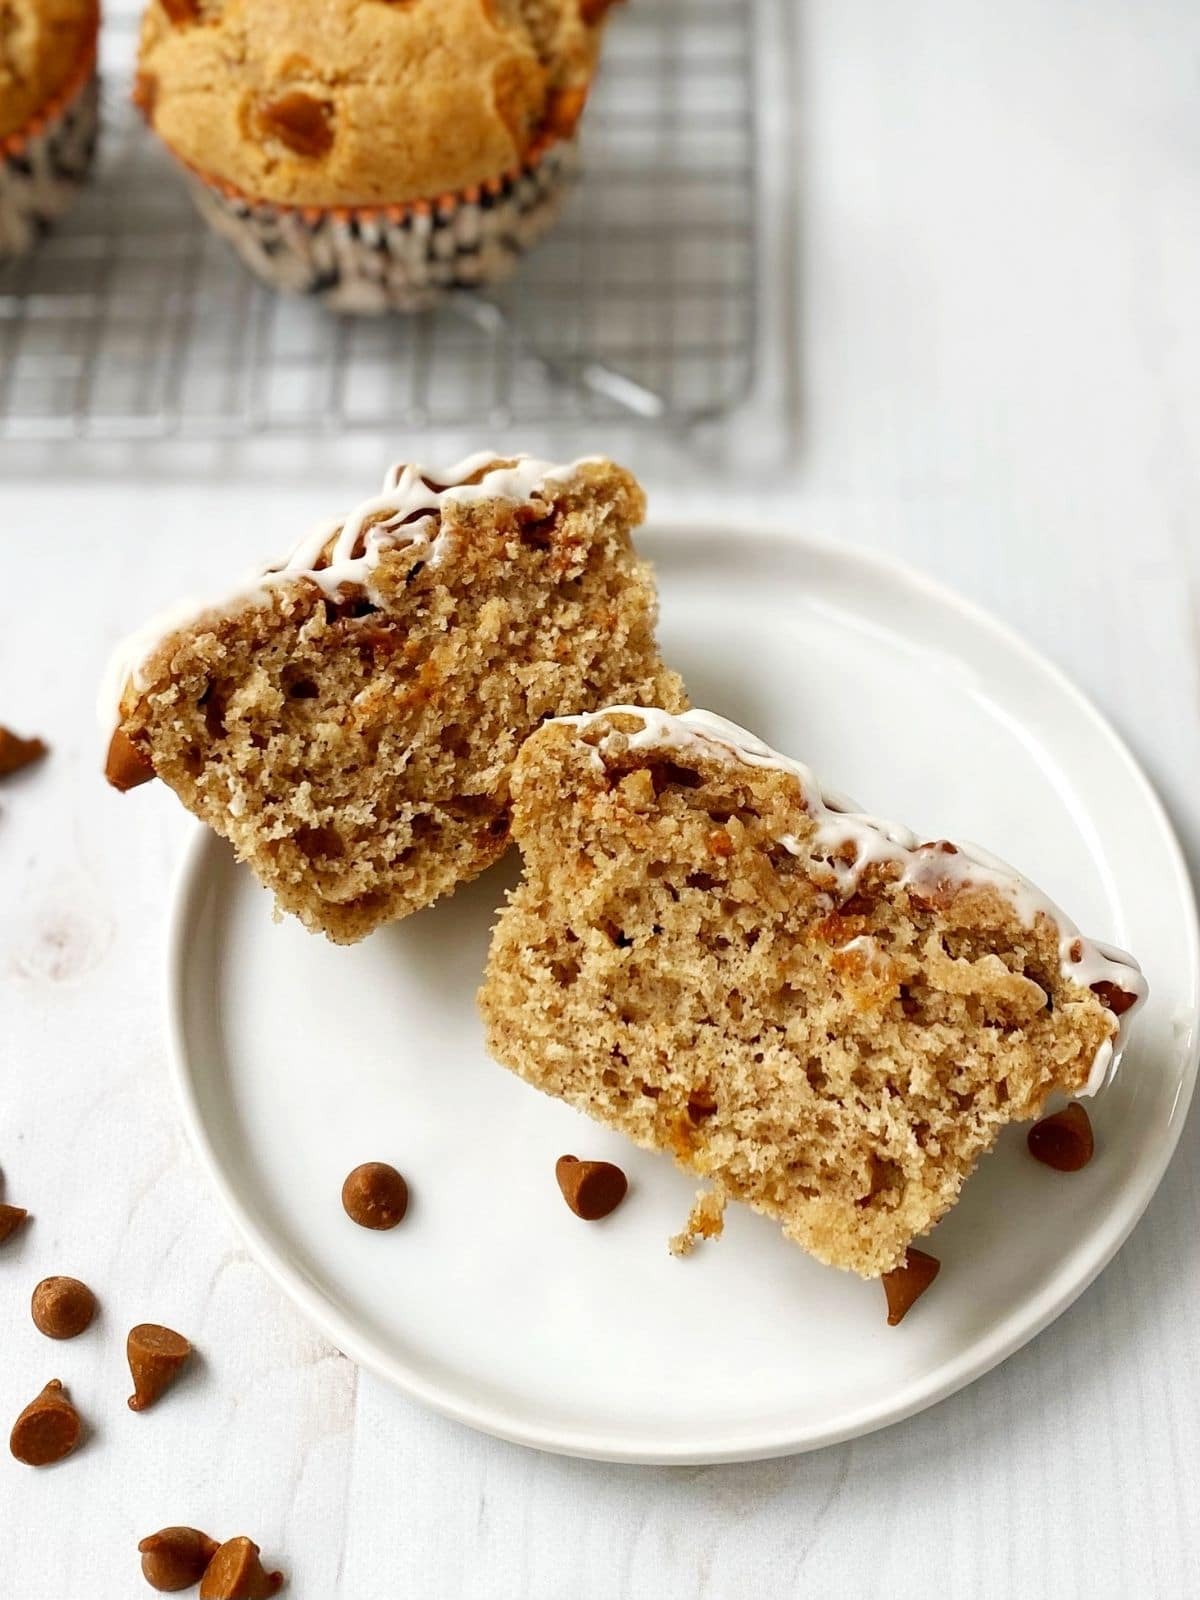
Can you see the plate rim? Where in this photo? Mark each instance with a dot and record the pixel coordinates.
(917, 1396)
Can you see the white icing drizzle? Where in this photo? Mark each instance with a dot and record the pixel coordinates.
(336, 555)
(839, 821)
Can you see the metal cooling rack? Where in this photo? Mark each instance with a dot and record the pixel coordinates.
(132, 320)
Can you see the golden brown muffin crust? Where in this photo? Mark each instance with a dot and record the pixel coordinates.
(362, 102)
(42, 44)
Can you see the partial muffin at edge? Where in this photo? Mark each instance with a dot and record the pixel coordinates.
(359, 103)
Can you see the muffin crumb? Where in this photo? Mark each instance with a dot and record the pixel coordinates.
(706, 1220)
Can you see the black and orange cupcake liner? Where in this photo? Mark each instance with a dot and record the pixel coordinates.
(367, 260)
(44, 163)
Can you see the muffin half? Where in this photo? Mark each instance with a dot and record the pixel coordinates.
(373, 154)
(348, 717)
(827, 1018)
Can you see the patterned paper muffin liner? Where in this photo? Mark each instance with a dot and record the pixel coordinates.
(43, 164)
(372, 259)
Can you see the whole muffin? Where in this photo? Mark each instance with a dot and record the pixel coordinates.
(373, 152)
(48, 112)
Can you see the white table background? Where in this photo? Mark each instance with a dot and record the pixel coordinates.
(981, 353)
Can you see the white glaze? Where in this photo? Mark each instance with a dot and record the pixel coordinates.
(336, 555)
(839, 821)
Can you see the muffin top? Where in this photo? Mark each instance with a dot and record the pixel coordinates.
(42, 44)
(363, 102)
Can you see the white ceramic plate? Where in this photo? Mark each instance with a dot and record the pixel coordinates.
(297, 1060)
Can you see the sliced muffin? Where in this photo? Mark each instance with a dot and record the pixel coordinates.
(826, 1017)
(48, 113)
(348, 717)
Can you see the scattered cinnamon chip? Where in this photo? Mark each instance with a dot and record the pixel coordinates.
(47, 1430)
(126, 766)
(155, 1355)
(236, 1573)
(16, 752)
(11, 1218)
(176, 1558)
(62, 1307)
(1064, 1140)
(592, 1189)
(905, 1285)
(375, 1195)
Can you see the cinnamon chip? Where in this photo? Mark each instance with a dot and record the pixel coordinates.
(62, 1307)
(181, 11)
(592, 1189)
(236, 1573)
(1111, 995)
(375, 1196)
(1064, 1140)
(298, 120)
(176, 1558)
(16, 752)
(126, 766)
(47, 1430)
(11, 1218)
(905, 1285)
(155, 1355)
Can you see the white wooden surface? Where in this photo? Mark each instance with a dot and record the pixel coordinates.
(982, 354)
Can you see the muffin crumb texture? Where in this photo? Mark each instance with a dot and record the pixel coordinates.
(684, 961)
(356, 750)
(363, 102)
